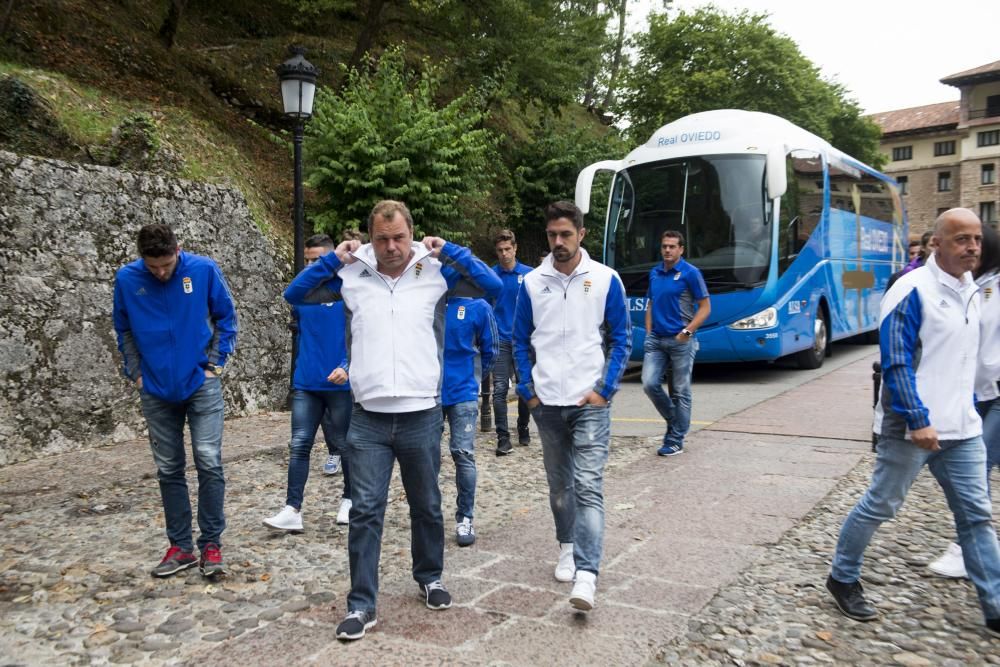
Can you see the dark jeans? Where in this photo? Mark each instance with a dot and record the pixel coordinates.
(374, 441)
(503, 369)
(462, 444)
(309, 410)
(204, 414)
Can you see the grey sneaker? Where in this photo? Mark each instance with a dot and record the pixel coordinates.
(465, 534)
(435, 595)
(356, 624)
(176, 560)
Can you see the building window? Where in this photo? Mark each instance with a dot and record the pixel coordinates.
(903, 153)
(988, 211)
(990, 138)
(944, 181)
(944, 148)
(987, 175)
(904, 184)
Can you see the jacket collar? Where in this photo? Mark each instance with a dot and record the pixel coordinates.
(960, 284)
(548, 267)
(366, 254)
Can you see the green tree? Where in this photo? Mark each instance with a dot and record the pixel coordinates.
(708, 59)
(384, 136)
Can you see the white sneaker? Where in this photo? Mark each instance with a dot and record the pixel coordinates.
(950, 564)
(288, 519)
(566, 567)
(344, 513)
(582, 597)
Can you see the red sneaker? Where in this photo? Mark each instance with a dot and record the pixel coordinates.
(176, 560)
(211, 560)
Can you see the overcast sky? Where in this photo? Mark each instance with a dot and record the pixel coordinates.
(890, 54)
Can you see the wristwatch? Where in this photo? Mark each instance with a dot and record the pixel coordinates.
(216, 369)
(687, 332)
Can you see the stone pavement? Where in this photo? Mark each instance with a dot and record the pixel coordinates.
(716, 556)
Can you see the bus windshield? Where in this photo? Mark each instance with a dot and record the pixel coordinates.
(716, 201)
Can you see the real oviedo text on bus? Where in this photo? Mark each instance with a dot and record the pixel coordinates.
(795, 239)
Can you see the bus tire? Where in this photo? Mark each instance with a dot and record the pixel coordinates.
(812, 357)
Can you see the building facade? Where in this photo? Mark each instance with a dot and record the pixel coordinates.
(947, 155)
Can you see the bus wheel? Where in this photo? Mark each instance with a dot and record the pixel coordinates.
(812, 357)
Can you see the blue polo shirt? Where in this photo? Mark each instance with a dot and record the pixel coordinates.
(672, 295)
(503, 308)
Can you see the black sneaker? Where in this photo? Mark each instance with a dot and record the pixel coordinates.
(993, 626)
(503, 447)
(355, 625)
(850, 599)
(523, 437)
(435, 595)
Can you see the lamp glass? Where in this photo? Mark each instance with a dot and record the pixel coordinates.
(297, 96)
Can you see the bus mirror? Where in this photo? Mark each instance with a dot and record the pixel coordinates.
(777, 179)
(585, 181)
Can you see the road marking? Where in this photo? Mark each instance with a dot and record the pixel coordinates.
(652, 421)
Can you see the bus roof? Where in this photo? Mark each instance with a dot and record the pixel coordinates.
(729, 131)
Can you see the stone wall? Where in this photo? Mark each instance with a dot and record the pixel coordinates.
(64, 231)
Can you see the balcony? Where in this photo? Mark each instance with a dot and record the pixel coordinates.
(988, 112)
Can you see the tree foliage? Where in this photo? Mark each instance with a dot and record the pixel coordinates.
(383, 136)
(708, 59)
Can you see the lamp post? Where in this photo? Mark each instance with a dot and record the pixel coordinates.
(298, 88)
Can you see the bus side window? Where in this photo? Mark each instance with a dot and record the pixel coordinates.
(801, 205)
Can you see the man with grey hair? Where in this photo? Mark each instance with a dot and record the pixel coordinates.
(929, 337)
(395, 292)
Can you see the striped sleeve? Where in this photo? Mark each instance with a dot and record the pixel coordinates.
(899, 337)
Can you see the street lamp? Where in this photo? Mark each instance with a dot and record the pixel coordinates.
(298, 88)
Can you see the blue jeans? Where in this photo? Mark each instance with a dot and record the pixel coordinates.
(374, 441)
(462, 443)
(990, 411)
(332, 409)
(960, 469)
(503, 369)
(575, 450)
(676, 358)
(165, 420)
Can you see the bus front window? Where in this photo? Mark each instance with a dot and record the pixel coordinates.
(716, 201)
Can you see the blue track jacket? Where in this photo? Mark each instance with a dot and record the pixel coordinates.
(470, 331)
(169, 332)
(321, 347)
(503, 307)
(571, 336)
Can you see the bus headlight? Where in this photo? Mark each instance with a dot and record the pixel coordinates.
(762, 320)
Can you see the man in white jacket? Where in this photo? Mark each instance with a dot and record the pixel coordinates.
(929, 335)
(572, 338)
(395, 293)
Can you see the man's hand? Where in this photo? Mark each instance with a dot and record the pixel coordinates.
(209, 374)
(138, 383)
(338, 376)
(926, 438)
(345, 249)
(434, 244)
(534, 403)
(592, 398)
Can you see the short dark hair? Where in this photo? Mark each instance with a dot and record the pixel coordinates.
(320, 241)
(925, 238)
(673, 234)
(504, 235)
(156, 241)
(989, 260)
(388, 208)
(914, 242)
(564, 209)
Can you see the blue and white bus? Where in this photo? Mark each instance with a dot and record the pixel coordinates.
(796, 240)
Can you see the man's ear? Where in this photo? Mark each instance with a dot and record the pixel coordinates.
(583, 232)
